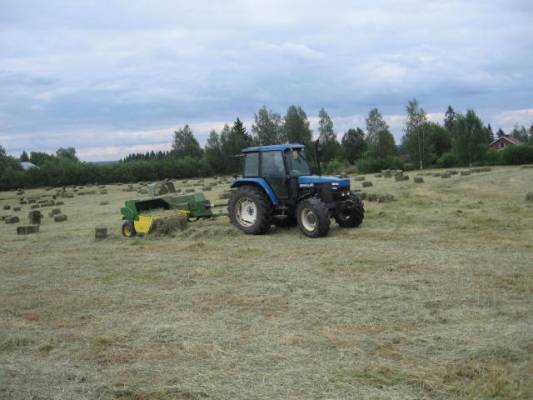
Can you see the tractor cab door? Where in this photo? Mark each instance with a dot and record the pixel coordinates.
(274, 172)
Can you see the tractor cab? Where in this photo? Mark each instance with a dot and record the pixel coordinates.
(277, 188)
(286, 170)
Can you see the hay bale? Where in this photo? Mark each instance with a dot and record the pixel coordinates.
(189, 190)
(168, 226)
(378, 175)
(465, 173)
(452, 172)
(529, 196)
(100, 232)
(54, 212)
(27, 229)
(59, 203)
(418, 179)
(372, 197)
(445, 175)
(382, 198)
(103, 191)
(527, 166)
(367, 184)
(17, 208)
(224, 195)
(60, 218)
(358, 178)
(363, 195)
(12, 220)
(104, 203)
(35, 217)
(34, 206)
(398, 176)
(7, 207)
(207, 188)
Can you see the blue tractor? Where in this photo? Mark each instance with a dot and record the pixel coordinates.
(277, 188)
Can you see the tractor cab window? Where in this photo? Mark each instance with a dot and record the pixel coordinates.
(298, 165)
(251, 164)
(272, 164)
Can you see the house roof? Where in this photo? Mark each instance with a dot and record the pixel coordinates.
(507, 138)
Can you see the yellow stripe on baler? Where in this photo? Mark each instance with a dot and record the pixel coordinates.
(143, 224)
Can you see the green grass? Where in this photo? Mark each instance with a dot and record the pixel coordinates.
(431, 298)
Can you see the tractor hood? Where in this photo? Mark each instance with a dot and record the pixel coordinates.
(314, 179)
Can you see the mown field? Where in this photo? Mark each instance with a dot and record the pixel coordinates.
(432, 297)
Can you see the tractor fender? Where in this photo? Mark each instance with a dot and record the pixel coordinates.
(260, 183)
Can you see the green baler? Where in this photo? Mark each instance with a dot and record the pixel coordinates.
(137, 218)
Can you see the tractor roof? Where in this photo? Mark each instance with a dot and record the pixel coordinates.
(274, 147)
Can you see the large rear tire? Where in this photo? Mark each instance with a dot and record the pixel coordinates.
(250, 210)
(313, 217)
(352, 214)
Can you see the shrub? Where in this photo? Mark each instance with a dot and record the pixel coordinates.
(335, 166)
(447, 160)
(517, 154)
(493, 157)
(370, 164)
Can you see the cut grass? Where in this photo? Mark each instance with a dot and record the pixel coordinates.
(430, 298)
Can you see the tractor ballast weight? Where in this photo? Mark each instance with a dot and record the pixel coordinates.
(278, 188)
(137, 218)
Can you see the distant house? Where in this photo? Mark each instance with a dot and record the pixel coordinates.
(503, 141)
(26, 165)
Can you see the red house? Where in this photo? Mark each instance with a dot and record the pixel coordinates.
(502, 141)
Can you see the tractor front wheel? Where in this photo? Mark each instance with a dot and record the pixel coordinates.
(128, 229)
(351, 214)
(313, 217)
(250, 210)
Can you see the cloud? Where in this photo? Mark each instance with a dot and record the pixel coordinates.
(109, 67)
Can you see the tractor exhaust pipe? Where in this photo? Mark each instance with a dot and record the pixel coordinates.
(317, 156)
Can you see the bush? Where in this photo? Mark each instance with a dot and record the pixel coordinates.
(517, 154)
(493, 157)
(370, 164)
(447, 160)
(335, 166)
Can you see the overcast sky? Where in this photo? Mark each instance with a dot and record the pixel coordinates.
(112, 77)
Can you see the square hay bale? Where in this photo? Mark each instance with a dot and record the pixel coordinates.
(363, 195)
(59, 203)
(367, 184)
(372, 197)
(12, 220)
(418, 179)
(104, 203)
(100, 232)
(224, 195)
(527, 166)
(54, 212)
(529, 196)
(60, 218)
(34, 206)
(35, 217)
(465, 173)
(17, 208)
(358, 178)
(7, 207)
(207, 188)
(445, 175)
(27, 229)
(382, 198)
(378, 175)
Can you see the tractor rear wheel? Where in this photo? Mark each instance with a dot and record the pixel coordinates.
(128, 229)
(313, 217)
(250, 210)
(352, 214)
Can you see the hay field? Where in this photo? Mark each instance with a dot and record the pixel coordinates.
(431, 298)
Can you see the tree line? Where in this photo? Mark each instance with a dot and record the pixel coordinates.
(462, 140)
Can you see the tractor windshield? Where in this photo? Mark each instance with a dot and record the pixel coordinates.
(298, 165)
